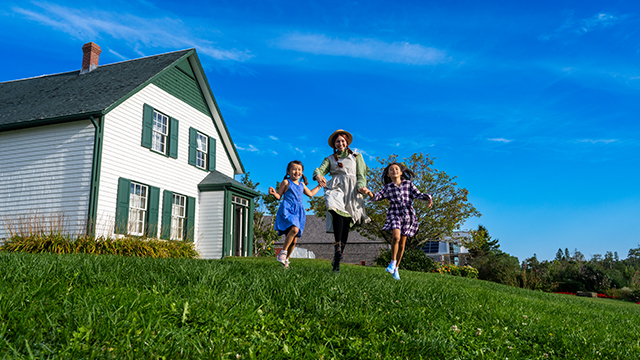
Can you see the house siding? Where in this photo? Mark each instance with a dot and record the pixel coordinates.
(209, 240)
(46, 172)
(123, 155)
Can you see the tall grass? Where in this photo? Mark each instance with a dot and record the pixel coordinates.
(87, 306)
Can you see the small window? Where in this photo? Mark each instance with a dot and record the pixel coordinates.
(178, 216)
(239, 201)
(137, 208)
(160, 132)
(201, 156)
(431, 247)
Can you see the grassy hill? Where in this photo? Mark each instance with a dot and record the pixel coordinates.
(87, 306)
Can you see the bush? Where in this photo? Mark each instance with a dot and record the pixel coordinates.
(414, 260)
(626, 293)
(128, 246)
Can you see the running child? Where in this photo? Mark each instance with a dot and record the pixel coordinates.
(401, 217)
(291, 218)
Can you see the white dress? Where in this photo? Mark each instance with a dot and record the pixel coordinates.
(341, 193)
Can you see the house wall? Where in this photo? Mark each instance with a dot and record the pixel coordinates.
(45, 175)
(209, 243)
(123, 155)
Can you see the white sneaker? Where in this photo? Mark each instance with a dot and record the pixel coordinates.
(390, 269)
(396, 274)
(282, 257)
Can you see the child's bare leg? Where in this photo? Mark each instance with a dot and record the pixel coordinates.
(291, 235)
(401, 244)
(395, 244)
(291, 247)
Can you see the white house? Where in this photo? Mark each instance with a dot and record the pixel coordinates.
(448, 249)
(137, 147)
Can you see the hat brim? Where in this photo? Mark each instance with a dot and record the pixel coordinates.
(332, 138)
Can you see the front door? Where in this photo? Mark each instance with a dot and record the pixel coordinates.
(240, 211)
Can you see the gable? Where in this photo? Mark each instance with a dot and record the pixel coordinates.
(180, 82)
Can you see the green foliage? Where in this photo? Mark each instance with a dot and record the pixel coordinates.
(451, 206)
(481, 242)
(413, 259)
(83, 306)
(264, 234)
(498, 267)
(127, 246)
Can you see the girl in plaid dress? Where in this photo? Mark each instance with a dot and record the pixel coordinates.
(401, 217)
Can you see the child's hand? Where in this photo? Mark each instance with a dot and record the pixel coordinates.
(272, 191)
(365, 191)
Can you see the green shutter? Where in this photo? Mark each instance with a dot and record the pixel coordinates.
(193, 145)
(152, 218)
(191, 217)
(212, 154)
(173, 138)
(122, 206)
(147, 126)
(167, 205)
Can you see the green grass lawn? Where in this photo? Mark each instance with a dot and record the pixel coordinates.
(103, 306)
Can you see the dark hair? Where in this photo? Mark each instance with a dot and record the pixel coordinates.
(297, 162)
(335, 151)
(406, 173)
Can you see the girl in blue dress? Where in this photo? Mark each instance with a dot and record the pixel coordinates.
(291, 217)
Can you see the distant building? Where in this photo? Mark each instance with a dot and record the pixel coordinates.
(448, 250)
(359, 250)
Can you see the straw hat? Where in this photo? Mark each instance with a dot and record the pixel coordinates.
(347, 135)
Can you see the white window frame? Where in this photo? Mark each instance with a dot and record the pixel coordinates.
(160, 132)
(202, 150)
(138, 198)
(178, 216)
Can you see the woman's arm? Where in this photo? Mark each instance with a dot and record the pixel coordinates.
(361, 172)
(284, 185)
(321, 171)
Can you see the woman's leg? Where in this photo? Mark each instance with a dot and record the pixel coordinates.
(339, 224)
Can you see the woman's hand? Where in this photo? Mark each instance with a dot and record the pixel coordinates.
(321, 180)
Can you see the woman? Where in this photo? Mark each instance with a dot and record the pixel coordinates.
(344, 203)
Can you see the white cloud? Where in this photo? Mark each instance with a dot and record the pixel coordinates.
(502, 140)
(583, 26)
(273, 137)
(152, 32)
(364, 48)
(599, 141)
(251, 148)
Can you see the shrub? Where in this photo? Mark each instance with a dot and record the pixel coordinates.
(414, 260)
(626, 293)
(128, 246)
(469, 271)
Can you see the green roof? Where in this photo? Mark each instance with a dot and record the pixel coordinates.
(217, 181)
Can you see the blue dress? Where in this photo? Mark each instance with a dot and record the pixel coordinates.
(291, 210)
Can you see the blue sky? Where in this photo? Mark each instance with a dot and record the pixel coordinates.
(533, 106)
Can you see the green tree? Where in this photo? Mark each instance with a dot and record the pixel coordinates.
(481, 242)
(451, 206)
(264, 235)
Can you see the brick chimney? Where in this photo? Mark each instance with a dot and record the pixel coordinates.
(90, 58)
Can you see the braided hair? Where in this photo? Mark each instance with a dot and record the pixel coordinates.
(335, 151)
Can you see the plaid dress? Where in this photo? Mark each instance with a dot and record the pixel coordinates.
(401, 214)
